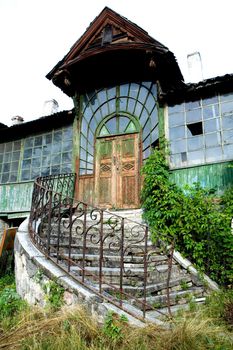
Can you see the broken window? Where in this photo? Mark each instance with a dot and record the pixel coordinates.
(195, 128)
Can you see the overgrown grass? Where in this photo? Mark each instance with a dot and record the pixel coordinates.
(208, 327)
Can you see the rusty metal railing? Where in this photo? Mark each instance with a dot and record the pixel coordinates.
(107, 253)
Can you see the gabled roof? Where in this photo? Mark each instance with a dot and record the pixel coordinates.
(123, 31)
(113, 38)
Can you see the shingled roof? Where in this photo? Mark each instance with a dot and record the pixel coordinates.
(42, 124)
(204, 88)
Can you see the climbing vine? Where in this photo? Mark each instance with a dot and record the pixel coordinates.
(200, 221)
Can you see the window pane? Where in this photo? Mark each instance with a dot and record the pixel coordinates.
(27, 153)
(193, 116)
(131, 105)
(28, 143)
(6, 167)
(138, 109)
(8, 147)
(7, 157)
(56, 148)
(195, 158)
(38, 141)
(212, 125)
(176, 119)
(212, 140)
(13, 177)
(67, 133)
(14, 166)
(176, 109)
(5, 177)
(66, 157)
(178, 146)
(123, 122)
(111, 125)
(37, 152)
(133, 92)
(191, 105)
(227, 108)
(228, 136)
(36, 162)
(17, 145)
(178, 132)
(131, 127)
(67, 146)
(143, 94)
(211, 100)
(47, 149)
(124, 90)
(213, 154)
(57, 136)
(25, 175)
(104, 131)
(26, 164)
(226, 97)
(195, 143)
(228, 151)
(210, 112)
(227, 122)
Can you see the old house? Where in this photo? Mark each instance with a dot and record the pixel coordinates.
(128, 92)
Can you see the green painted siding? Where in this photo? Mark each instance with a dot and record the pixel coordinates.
(219, 176)
(15, 197)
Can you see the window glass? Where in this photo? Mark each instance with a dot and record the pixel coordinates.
(195, 143)
(210, 111)
(176, 119)
(127, 98)
(210, 101)
(177, 132)
(111, 125)
(227, 108)
(193, 115)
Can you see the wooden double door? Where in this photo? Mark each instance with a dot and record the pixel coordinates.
(117, 171)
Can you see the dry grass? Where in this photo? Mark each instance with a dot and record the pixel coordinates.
(74, 330)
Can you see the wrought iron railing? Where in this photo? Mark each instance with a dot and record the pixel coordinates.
(107, 253)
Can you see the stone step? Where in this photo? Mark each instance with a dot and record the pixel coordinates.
(129, 261)
(176, 298)
(158, 313)
(133, 277)
(153, 289)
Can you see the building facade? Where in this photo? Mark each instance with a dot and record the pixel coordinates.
(128, 94)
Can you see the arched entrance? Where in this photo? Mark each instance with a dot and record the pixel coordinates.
(117, 127)
(117, 163)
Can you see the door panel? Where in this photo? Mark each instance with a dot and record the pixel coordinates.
(117, 171)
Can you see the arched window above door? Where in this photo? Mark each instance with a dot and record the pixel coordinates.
(134, 100)
(117, 125)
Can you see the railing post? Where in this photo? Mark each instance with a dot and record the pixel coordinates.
(101, 251)
(122, 258)
(59, 225)
(50, 195)
(84, 239)
(145, 272)
(70, 234)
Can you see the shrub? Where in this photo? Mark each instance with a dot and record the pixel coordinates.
(200, 223)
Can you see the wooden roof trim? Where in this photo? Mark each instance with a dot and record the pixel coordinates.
(109, 48)
(105, 17)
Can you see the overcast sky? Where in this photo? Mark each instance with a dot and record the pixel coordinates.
(36, 34)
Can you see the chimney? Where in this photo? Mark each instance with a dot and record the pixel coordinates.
(50, 107)
(17, 120)
(195, 67)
